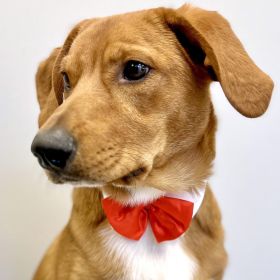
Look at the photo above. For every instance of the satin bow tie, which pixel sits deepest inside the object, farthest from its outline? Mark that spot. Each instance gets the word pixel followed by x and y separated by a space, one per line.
pixel 169 218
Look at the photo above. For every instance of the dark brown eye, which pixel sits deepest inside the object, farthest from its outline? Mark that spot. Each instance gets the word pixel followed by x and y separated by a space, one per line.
pixel 135 70
pixel 66 82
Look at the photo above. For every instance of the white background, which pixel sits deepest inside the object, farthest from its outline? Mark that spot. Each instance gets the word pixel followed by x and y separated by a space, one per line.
pixel 246 182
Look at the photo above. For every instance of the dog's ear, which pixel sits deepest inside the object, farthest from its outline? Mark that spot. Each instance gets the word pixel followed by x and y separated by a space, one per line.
pixel 45 94
pixel 57 80
pixel 44 78
pixel 211 43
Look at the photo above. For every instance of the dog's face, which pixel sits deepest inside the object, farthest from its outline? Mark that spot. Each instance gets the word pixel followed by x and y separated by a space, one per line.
pixel 133 99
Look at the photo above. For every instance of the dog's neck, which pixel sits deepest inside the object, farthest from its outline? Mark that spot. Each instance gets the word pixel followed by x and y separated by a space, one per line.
pixel 87 201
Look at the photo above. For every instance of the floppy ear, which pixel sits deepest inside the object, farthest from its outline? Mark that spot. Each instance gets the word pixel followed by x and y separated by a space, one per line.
pixel 45 93
pixel 211 43
pixel 57 80
pixel 44 78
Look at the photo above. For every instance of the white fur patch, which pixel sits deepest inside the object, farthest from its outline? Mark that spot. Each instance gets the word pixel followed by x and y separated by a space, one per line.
pixel 146 259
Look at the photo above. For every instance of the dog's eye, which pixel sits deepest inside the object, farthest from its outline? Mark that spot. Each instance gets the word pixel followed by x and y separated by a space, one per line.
pixel 66 82
pixel 135 70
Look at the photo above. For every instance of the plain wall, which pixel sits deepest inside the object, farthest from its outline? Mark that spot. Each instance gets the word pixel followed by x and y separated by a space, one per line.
pixel 246 183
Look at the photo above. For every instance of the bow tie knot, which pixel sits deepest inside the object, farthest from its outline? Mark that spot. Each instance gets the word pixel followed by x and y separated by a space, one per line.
pixel 169 218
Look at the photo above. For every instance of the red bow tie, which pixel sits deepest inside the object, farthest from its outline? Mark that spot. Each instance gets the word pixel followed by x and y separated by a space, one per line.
pixel 169 218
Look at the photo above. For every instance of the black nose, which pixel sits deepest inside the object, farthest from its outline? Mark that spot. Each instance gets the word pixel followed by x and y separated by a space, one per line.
pixel 53 148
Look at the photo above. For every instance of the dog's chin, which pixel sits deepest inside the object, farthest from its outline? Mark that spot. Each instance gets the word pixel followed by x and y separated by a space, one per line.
pixel 128 190
pixel 131 189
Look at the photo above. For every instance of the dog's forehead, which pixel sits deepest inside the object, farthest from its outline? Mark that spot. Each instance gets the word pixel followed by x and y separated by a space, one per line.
pixel 138 28
pixel 130 25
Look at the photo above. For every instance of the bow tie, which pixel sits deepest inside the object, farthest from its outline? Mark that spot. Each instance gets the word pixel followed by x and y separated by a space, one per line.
pixel 169 218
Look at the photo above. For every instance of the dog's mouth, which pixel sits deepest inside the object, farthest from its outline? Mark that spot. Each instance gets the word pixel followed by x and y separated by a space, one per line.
pixel 62 178
pixel 136 173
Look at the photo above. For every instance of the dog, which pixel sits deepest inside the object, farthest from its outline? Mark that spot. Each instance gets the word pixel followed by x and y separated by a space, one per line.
pixel 126 113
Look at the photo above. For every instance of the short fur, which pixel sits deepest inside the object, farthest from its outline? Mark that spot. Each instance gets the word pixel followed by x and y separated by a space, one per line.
pixel 164 124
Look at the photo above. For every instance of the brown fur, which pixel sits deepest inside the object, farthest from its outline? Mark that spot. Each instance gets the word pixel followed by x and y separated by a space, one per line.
pixel 164 124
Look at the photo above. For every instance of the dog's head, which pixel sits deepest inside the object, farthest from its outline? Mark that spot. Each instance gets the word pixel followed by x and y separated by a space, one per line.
pixel 125 101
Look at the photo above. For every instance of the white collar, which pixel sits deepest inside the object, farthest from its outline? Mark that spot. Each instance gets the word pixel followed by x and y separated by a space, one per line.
pixel 194 195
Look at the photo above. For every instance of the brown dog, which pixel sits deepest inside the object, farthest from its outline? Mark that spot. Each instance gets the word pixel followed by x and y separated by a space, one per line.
pixel 125 108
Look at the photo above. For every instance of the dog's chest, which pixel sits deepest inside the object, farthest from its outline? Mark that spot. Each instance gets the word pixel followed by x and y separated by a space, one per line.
pixel 148 260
